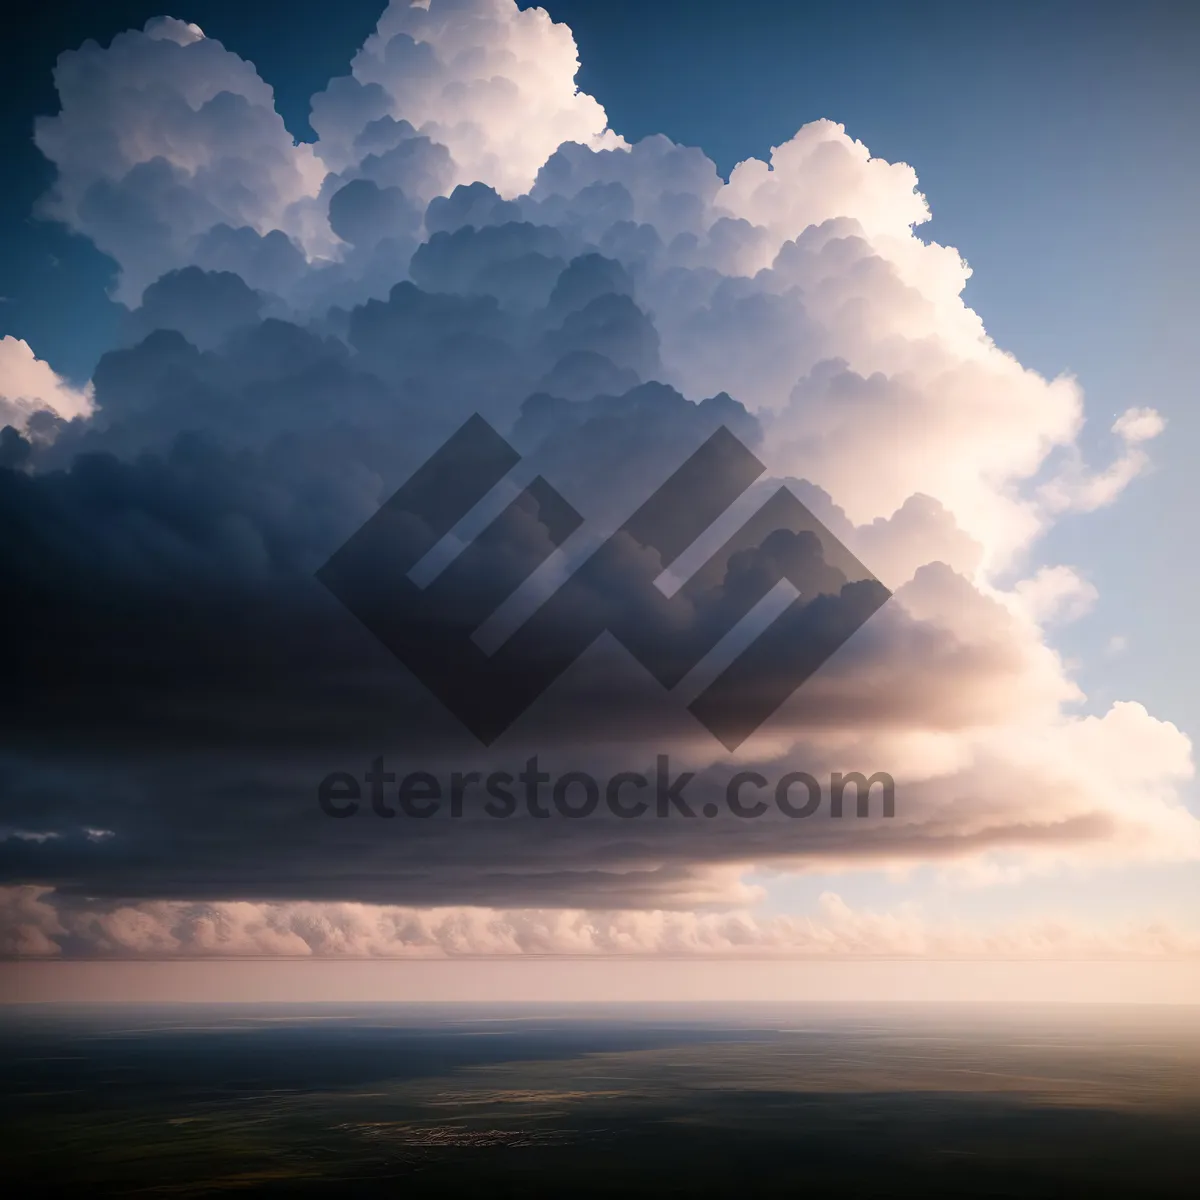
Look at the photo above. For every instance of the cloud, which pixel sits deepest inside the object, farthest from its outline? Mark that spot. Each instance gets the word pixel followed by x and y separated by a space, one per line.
pixel 29 385
pixel 307 324
pixel 1055 594
pixel 1076 489
pixel 493 84
pixel 36 923
pixel 29 925
pixel 169 151
pixel 165 135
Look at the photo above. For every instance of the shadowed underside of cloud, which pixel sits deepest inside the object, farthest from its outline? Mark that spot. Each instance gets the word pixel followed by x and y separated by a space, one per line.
pixel 307 324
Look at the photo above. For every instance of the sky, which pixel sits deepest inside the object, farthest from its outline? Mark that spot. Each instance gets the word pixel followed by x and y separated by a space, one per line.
pixel 1028 684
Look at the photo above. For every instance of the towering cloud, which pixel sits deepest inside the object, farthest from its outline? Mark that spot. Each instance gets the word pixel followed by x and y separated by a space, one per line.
pixel 308 322
pixel 492 84
pixel 164 139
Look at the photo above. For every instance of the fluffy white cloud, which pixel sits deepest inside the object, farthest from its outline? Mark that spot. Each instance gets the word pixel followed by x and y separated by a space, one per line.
pixel 1055 594
pixel 493 84
pixel 169 149
pixel 164 136
pixel 29 385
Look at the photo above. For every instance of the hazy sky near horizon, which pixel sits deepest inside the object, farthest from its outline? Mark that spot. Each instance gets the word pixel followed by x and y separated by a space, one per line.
pixel 601 981
pixel 1037 657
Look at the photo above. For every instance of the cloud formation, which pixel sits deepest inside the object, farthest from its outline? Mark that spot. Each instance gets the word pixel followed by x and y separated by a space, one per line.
pixel 35 923
pixel 28 385
pixel 307 323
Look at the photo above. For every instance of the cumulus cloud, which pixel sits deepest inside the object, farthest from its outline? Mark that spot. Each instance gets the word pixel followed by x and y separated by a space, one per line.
pixel 170 152
pixel 165 135
pixel 35 922
pixel 28 385
pixel 492 84
pixel 307 324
